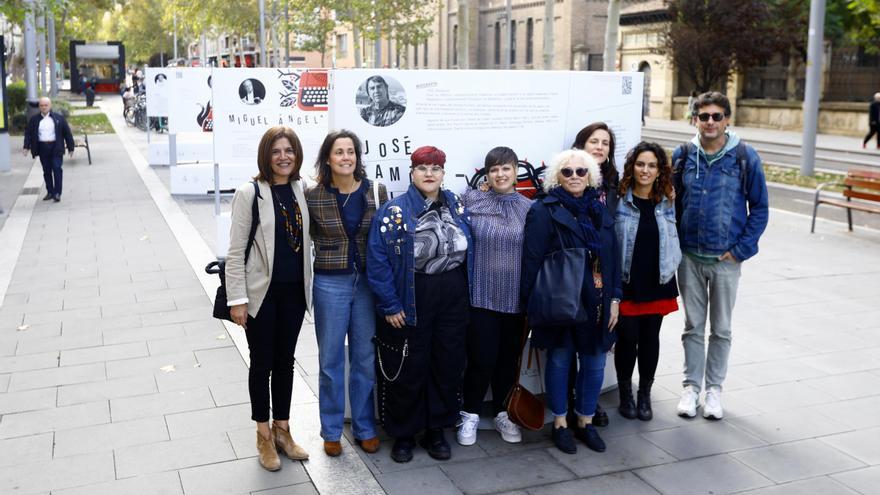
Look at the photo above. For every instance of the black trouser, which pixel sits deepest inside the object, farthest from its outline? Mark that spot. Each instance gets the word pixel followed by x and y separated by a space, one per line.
pixel 875 129
pixel 493 346
pixel 271 338
pixel 51 162
pixel 426 392
pixel 638 337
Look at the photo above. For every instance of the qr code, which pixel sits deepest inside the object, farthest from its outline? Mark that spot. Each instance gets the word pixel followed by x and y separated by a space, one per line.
pixel 627 87
pixel 178 75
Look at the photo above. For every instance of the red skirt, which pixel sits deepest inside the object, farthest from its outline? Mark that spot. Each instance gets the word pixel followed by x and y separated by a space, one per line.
pixel 660 307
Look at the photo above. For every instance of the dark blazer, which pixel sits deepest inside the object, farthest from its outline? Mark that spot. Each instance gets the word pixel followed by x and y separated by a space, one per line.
pixel 874 113
pixel 546 217
pixel 62 135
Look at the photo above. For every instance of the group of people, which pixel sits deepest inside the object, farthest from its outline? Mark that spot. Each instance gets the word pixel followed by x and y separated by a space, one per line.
pixel 432 290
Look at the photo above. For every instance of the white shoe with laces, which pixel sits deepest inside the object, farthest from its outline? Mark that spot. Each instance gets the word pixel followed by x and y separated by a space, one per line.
pixel 467 429
pixel 687 406
pixel 509 431
pixel 712 404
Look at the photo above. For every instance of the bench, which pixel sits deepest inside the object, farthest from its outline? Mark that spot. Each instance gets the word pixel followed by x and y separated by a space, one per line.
pixel 84 143
pixel 859 184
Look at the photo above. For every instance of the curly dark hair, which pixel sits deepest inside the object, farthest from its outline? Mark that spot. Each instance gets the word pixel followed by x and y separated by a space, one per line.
pixel 663 185
pixel 322 163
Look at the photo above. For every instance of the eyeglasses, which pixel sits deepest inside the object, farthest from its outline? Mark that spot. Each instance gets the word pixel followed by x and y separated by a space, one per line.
pixel 717 117
pixel 425 169
pixel 568 172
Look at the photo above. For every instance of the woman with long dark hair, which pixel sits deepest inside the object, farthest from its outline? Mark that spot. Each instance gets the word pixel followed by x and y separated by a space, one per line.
pixel 342 206
pixel 269 289
pixel 649 257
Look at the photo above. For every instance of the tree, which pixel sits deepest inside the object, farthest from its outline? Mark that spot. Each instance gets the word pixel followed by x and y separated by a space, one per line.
pixel 709 40
pixel 312 23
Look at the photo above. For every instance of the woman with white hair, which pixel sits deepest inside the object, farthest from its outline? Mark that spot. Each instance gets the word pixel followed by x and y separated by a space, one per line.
pixel 572 217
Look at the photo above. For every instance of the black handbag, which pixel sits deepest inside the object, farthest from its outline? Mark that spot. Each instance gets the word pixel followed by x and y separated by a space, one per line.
pixel 555 300
pixel 221 309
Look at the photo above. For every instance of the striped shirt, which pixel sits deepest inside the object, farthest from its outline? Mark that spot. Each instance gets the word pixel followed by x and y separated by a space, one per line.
pixel 497 222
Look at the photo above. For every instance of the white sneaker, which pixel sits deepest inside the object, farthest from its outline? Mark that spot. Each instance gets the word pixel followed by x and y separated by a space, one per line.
pixel 687 406
pixel 712 404
pixel 467 430
pixel 509 431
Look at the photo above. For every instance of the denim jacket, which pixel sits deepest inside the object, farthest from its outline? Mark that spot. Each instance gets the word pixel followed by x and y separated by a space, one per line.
pixel 390 255
pixel 723 208
pixel 626 225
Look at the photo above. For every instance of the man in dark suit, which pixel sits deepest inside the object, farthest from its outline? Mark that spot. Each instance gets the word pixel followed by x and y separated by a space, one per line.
pixel 45 136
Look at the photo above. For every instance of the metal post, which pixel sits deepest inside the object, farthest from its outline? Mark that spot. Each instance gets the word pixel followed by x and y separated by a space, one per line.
pixel 377 57
pixel 175 37
pixel 53 77
pixel 204 50
pixel 549 18
pixel 216 189
pixel 509 14
pixel 263 33
pixel 286 34
pixel 30 58
pixel 815 45
pixel 41 52
pixel 609 58
pixel 172 149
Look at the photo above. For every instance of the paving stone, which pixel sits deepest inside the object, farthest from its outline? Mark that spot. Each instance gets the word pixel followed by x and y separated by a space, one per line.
pixel 29 362
pixel 58 418
pixel 95 301
pixel 623 453
pixel 143 406
pixel 39 331
pixel 143 334
pixel 864 445
pixel 201 375
pixel 848 386
pixel 865 481
pixel 822 485
pixel 229 393
pixel 300 489
pixel 195 342
pixel 776 372
pixel 107 389
pixel 780 396
pixel 797 460
pixel 856 413
pixel 490 475
pixel 57 473
pixel 50 316
pixel 105 324
pixel 7 346
pixel 715 474
pixel 4 382
pixel 24 450
pixel 610 483
pixel 150 364
pixel 148 309
pixel 240 476
pixel 104 353
pixel 786 426
pixel 703 438
pixel 28 400
pixel 110 436
pixel 424 481
pixel 24 380
pixel 212 420
pixel 180 316
pixel 173 454
pixel 849 361
pixel 167 483
pixel 90 338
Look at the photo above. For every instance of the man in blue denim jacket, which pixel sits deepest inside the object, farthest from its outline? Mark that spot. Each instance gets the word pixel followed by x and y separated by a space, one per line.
pixel 722 198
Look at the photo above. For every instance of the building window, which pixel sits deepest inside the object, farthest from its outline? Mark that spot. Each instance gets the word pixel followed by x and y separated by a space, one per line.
pixel 595 62
pixel 512 43
pixel 455 45
pixel 342 44
pixel 497 43
pixel 425 59
pixel 530 34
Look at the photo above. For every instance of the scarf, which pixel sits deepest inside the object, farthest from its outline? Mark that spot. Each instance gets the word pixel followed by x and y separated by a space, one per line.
pixel 588 212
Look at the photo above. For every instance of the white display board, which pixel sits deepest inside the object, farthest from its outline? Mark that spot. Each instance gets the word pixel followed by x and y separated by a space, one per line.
pixel 247 102
pixel 156 80
pixel 467 113
pixel 189 100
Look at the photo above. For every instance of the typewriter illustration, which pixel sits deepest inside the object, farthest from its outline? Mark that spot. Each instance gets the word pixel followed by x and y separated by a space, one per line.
pixel 313 91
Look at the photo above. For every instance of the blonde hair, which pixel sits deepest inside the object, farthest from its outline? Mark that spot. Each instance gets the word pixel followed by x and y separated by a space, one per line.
pixel 551 177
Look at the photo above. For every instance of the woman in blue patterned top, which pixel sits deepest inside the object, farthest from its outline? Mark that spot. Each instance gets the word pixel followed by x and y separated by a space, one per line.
pixel 498 215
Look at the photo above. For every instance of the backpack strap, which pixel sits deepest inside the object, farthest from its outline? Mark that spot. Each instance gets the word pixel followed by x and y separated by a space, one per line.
pixel 742 156
pixel 255 220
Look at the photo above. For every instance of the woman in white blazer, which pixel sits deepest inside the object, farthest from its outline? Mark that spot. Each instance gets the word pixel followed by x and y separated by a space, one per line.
pixel 270 292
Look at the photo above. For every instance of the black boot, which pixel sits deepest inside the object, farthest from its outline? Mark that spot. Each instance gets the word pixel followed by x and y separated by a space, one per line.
pixel 627 407
pixel 644 407
pixel 600 417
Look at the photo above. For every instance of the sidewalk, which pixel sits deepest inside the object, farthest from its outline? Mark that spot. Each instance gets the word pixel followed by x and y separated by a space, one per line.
pixel 114 379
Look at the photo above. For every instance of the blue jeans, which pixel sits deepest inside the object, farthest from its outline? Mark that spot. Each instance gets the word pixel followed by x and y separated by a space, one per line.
pixel 588 384
pixel 344 307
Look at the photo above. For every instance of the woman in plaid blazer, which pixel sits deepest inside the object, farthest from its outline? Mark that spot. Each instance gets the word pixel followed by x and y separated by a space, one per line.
pixel 341 207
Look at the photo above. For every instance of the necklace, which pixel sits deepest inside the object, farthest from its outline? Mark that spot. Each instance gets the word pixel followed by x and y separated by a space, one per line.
pixel 356 187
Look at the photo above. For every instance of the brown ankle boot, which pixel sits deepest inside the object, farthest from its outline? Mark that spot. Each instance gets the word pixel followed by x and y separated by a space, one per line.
pixel 268 454
pixel 285 443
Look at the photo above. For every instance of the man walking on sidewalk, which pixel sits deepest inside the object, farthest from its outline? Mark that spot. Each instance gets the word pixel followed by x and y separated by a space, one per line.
pixel 873 121
pixel 45 136
pixel 721 197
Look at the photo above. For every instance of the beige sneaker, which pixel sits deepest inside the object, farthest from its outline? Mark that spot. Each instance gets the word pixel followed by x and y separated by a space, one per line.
pixel 285 444
pixel 268 454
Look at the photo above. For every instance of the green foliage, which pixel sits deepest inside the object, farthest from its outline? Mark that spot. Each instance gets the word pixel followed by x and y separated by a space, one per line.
pixel 17 94
pixel 865 28
pixel 92 123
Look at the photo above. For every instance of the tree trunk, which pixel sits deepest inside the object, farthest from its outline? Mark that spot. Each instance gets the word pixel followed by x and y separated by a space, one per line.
pixel 548 33
pixel 463 35
pixel 609 58
pixel 356 34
